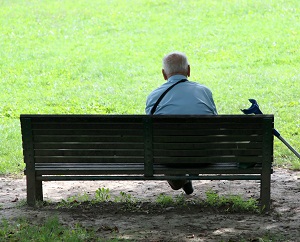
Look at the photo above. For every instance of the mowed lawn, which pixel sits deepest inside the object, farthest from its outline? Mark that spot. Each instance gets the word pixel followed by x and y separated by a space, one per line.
pixel 104 57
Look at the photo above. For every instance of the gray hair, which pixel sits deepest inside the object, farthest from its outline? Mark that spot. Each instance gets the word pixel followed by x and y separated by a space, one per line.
pixel 175 62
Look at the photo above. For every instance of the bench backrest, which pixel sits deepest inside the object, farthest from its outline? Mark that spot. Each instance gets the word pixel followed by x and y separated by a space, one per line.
pixel 147 139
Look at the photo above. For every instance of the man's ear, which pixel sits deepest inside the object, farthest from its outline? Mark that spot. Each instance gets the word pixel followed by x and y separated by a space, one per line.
pixel 189 71
pixel 164 74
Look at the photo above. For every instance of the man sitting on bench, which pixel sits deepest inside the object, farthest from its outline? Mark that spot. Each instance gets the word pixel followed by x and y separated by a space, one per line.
pixel 180 96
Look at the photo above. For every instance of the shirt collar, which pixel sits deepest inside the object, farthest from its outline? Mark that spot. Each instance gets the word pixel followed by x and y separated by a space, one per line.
pixel 176 78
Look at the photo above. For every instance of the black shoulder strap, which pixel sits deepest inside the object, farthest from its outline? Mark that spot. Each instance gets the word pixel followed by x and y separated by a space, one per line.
pixel 164 93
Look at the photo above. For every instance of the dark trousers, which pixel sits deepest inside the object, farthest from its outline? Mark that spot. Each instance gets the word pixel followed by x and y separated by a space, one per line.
pixel 177 184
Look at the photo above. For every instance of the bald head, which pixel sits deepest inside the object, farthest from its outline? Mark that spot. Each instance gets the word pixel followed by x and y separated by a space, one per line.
pixel 175 63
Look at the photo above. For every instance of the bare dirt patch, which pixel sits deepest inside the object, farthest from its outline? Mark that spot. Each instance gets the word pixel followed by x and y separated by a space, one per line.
pixel 153 223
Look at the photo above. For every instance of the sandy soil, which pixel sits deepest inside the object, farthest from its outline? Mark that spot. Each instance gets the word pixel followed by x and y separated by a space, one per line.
pixel 153 223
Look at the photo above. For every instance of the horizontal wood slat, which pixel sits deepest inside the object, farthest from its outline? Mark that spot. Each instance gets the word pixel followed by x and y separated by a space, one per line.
pixel 86 138
pixel 140 152
pixel 207 153
pixel 84 125
pixel 88 145
pixel 206 139
pixel 207 146
pixel 88 159
pixel 156 146
pixel 90 132
pixel 208 159
pixel 138 168
pixel 206 132
pixel 141 177
pixel 90 152
pixel 138 159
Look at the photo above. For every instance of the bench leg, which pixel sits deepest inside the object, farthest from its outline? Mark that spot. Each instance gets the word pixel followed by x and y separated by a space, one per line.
pixel 39 190
pixel 34 190
pixel 265 192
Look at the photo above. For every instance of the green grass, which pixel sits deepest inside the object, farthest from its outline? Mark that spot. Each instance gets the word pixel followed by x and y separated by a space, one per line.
pixel 49 230
pixel 53 230
pixel 104 57
pixel 230 203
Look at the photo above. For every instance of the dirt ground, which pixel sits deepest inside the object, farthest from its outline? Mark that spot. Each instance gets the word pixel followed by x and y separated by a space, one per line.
pixel 154 223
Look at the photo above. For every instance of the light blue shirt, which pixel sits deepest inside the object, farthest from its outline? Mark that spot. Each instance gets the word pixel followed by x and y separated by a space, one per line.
pixel 185 98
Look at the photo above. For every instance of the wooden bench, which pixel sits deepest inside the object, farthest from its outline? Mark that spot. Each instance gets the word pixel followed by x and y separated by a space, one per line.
pixel 144 147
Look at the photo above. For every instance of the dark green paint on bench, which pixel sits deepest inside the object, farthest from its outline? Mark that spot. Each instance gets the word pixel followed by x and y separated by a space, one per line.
pixel 143 147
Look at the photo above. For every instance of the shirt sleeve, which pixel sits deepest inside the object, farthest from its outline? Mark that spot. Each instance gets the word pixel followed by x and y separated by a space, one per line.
pixel 149 105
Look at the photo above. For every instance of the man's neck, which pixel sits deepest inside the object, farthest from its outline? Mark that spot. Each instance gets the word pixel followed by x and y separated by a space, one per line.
pixel 176 78
pixel 175 74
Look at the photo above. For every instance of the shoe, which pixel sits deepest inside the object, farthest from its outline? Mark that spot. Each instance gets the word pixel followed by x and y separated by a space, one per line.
pixel 188 188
